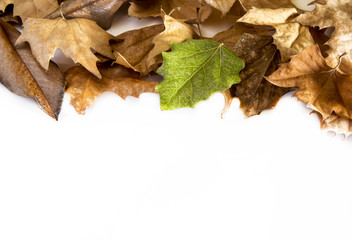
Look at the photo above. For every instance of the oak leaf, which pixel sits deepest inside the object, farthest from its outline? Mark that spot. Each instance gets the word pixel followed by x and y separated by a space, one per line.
pixel 34 8
pixel 75 38
pixel 84 87
pixel 194 70
pixel 188 9
pixel 290 37
pixel 254 91
pixel 338 14
pixel 175 31
pixel 326 90
pixel 22 74
pixel 133 47
pixel 100 11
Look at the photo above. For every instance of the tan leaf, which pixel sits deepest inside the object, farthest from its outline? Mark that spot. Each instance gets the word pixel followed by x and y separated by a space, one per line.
pixel 336 13
pixel 84 87
pixel 254 91
pixel 99 11
pixel 325 89
pixel 132 48
pixel 273 4
pixel 75 38
pixel 175 31
pixel 223 5
pixel 188 9
pixel 22 74
pixel 290 38
pixel 34 8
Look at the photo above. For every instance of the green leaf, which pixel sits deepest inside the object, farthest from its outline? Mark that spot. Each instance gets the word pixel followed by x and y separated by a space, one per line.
pixel 194 70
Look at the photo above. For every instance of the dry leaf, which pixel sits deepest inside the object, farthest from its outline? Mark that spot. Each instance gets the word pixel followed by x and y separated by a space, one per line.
pixel 8 17
pixel 4 4
pixel 34 8
pixel 325 89
pixel 290 38
pixel 23 75
pixel 232 35
pixel 254 91
pixel 273 4
pixel 338 14
pixel 175 31
pixel 84 87
pixel 75 38
pixel 188 9
pixel 132 48
pixel 336 124
pixel 223 5
pixel 100 11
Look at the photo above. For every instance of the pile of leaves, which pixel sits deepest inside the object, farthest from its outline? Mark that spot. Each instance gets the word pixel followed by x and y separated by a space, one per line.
pixel 271 49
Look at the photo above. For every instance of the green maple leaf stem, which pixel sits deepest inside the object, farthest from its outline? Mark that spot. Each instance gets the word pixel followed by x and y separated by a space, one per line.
pixel 194 70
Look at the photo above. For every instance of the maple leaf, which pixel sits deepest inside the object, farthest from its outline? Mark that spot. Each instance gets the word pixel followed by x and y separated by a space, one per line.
pixel 188 9
pixel 23 75
pixel 290 37
pixel 84 87
pixel 175 31
pixel 34 8
pixel 194 70
pixel 338 14
pixel 100 11
pixel 254 91
pixel 133 47
pixel 325 89
pixel 75 38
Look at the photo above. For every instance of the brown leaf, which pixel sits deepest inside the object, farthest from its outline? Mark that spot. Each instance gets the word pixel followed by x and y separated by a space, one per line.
pixel 290 37
pixel 338 14
pixel 254 91
pixel 75 37
pixel 175 31
pixel 336 124
pixel 132 48
pixel 34 8
pixel 188 9
pixel 325 89
pixel 8 17
pixel 4 4
pixel 232 35
pixel 22 74
pixel 84 87
pixel 100 11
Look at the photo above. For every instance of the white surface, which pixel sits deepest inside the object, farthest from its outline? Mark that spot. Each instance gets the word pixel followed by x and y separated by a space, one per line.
pixel 128 171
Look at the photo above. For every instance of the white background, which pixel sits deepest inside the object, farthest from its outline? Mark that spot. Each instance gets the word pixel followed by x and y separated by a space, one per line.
pixel 128 171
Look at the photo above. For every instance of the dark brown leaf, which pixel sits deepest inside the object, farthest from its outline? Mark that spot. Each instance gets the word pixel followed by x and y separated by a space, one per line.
pixel 262 58
pixel 132 48
pixel 23 75
pixel 100 11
